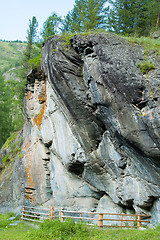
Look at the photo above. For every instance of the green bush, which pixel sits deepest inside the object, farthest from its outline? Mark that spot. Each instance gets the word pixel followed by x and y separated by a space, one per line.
pixel 36 62
pixel 60 230
pixel 13 148
pixel 146 66
pixel 10 140
pixel 6 159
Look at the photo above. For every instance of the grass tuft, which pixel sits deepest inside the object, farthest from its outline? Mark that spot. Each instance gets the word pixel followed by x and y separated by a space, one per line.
pixel 150 45
pixel 146 66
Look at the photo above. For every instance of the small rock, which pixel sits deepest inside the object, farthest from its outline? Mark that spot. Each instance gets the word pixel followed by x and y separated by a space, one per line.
pixel 13 224
pixel 142 228
pixel 18 221
pixel 11 218
pixel 151 226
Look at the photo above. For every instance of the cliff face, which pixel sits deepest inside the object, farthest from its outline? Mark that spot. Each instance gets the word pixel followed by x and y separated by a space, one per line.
pixel 92 132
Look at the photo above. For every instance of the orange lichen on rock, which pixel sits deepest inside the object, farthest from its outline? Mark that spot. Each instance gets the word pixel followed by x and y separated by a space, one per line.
pixel 39 117
pixel 30 185
pixel 29 94
pixel 145 114
pixel 41 98
pixel 30 181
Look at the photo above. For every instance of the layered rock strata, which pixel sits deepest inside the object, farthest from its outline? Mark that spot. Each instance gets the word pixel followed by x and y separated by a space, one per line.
pixel 92 132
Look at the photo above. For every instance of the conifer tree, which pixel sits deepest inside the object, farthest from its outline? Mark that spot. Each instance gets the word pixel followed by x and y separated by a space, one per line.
pixel 133 17
pixel 5 116
pixel 67 27
pixel 96 14
pixel 31 37
pixel 154 13
pixel 51 26
pixel 86 15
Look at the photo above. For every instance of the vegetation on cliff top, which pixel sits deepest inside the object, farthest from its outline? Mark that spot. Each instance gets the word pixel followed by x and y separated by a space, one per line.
pixel 150 45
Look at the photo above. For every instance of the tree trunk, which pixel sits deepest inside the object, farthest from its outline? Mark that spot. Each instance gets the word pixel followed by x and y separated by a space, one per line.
pixel 158 19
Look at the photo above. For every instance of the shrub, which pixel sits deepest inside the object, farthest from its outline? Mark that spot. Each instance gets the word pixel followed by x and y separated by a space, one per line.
pixel 146 66
pixel 60 230
pixel 6 159
pixel 13 146
pixel 36 62
pixel 10 140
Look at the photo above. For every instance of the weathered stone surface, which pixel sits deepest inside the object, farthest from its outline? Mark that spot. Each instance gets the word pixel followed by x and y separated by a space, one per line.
pixel 12 179
pixel 155 212
pixel 92 131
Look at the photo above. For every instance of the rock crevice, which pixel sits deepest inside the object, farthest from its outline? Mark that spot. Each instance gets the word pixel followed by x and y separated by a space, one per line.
pixel 93 126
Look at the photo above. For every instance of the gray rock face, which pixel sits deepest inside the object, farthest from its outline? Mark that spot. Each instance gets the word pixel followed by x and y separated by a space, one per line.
pixel 92 134
pixel 12 178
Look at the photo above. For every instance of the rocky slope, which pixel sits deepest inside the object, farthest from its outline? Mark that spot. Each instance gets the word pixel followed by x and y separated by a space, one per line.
pixel 92 132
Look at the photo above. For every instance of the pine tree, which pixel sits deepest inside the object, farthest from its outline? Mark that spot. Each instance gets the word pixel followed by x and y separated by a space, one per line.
pixel 86 15
pixel 67 23
pixel 51 26
pixel 154 13
pixel 31 37
pixel 142 24
pixel 6 126
pixel 76 17
pixel 96 14
pixel 121 16
pixel 133 17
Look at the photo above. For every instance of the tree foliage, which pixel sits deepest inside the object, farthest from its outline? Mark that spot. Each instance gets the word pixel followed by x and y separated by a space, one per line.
pixel 133 17
pixel 5 116
pixel 31 36
pixel 86 15
pixel 12 90
pixel 51 26
pixel 128 17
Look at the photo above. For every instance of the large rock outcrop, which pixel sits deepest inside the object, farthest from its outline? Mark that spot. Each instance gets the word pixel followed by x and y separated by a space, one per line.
pixel 92 132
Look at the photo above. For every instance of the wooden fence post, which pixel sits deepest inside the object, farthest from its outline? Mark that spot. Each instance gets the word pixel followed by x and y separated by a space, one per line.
pixel 35 213
pixel 139 220
pixel 100 221
pixel 62 215
pixel 121 220
pixel 80 217
pixel 51 212
pixel 23 212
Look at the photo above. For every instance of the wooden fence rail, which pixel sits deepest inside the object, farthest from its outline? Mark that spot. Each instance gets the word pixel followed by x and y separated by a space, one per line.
pixel 122 220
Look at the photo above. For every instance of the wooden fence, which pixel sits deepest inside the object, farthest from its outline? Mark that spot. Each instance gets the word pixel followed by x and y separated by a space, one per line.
pixel 92 218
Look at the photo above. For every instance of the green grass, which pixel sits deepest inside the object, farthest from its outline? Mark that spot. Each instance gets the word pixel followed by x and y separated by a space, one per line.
pixel 57 230
pixel 146 66
pixel 10 140
pixel 13 143
pixel 67 36
pixel 8 232
pixel 10 53
pixel 150 45
pixel 80 231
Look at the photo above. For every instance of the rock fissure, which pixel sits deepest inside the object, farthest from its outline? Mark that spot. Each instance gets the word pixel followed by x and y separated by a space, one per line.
pixel 91 140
